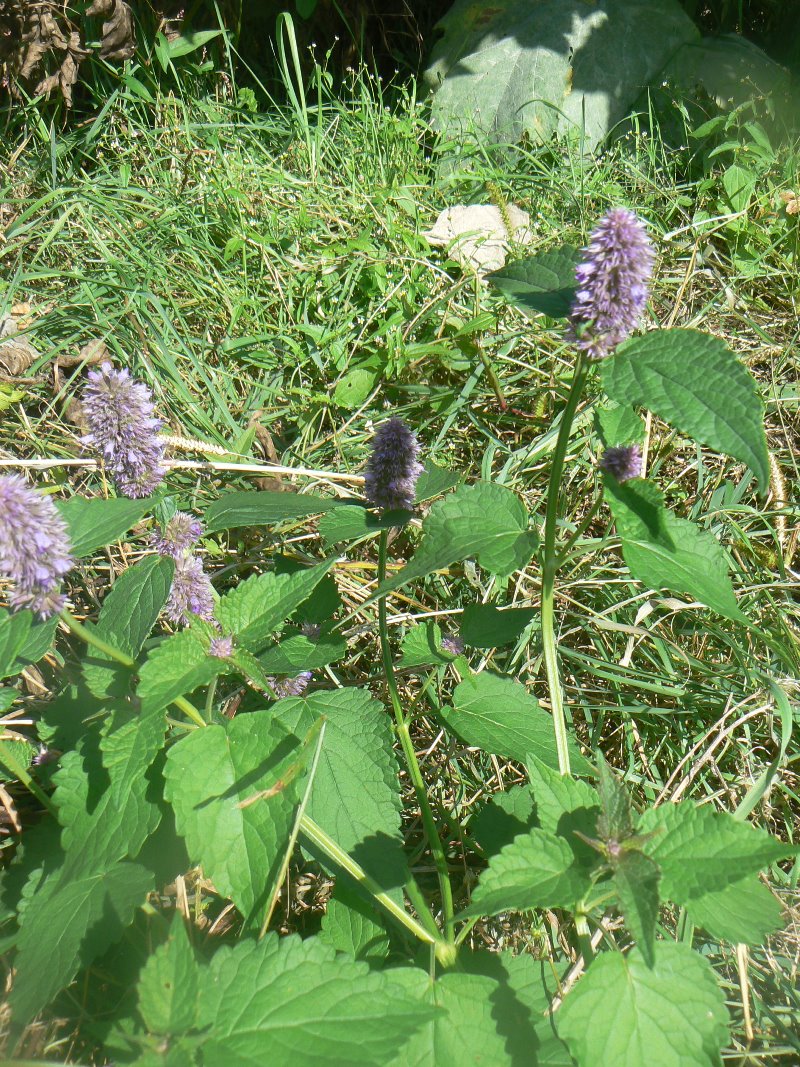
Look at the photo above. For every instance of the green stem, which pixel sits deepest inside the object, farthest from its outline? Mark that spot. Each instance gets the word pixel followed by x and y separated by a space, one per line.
pixel 550 566
pixel 401 721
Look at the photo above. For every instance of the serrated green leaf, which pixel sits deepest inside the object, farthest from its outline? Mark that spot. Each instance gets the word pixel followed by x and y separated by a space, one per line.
pixel 537 870
pixel 562 803
pixel 504 817
pixel 663 550
pixel 434 481
pixel 262 509
pixel 258 607
pixel 485 626
pixel 636 879
pixel 169 984
pixel 176 667
pixel 623 1013
pixel 744 912
pixel 208 775
pixel 499 715
pixel 286 1002
pixel 422 646
pixel 484 520
pixel 355 795
pixel 66 925
pixel 700 850
pixel 126 618
pixel 615 822
pixel 95 523
pixel 13 748
pixel 14 628
pixel 299 653
pixel 352 521
pixel 352 925
pixel 618 424
pixel 463 1032
pixel 542 283
pixel 37 643
pixel 697 384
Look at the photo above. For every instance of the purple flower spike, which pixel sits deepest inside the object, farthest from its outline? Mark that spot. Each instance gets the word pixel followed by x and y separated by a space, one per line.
pixel 612 283
pixel 122 428
pixel 453 645
pixel 34 547
pixel 178 536
pixel 221 647
pixel 391 476
pixel 291 687
pixel 622 462
pixel 191 592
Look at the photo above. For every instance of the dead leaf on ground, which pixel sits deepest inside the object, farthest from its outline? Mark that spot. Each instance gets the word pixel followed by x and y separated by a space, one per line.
pixel 119 38
pixel 792 201
pixel 477 236
pixel 17 354
pixel 264 440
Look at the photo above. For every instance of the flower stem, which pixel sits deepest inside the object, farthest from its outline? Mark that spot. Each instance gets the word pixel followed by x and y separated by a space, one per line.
pixel 401 722
pixel 550 566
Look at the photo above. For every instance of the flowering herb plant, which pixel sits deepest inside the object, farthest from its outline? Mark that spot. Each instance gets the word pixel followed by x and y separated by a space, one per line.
pixel 221 742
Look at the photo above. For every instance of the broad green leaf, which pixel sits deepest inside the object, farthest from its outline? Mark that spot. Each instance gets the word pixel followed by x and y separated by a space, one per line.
pixel 500 716
pixel 463 1032
pixel 66 925
pixel 700 850
pixel 286 1002
pixel 563 804
pixel 745 911
pixel 209 774
pixel 730 68
pixel 422 646
pixel 537 870
pixel 504 817
pixel 352 925
pixel 353 389
pixel 13 748
pixel 636 878
pixel 169 983
pixel 177 667
pixel 258 607
pixel 697 384
pixel 615 822
pixel 434 481
pixel 351 522
pixel 484 520
pixel 37 643
pixel 511 69
pixel 355 795
pixel 739 184
pixel 299 653
pixel 126 618
pixel 485 626
pixel 188 42
pixel 261 509
pixel 623 1013
pixel 95 523
pixel 665 551
pixel 543 283
pixel 618 424
pixel 14 629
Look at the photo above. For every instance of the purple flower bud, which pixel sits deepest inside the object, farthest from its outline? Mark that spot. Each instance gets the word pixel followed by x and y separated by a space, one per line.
pixel 191 592
pixel 178 536
pixel 311 630
pixel 392 471
pixel 452 644
pixel 44 756
pixel 612 283
pixel 34 547
pixel 119 414
pixel 291 687
pixel 221 647
pixel 623 462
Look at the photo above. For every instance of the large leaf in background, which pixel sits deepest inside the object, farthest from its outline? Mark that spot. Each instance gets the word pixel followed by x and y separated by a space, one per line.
pixel 66 925
pixel 622 1013
pixel 486 626
pixel 500 716
pixel 514 67
pixel 258 607
pixel 744 912
pixel 261 509
pixel 286 1002
pixel 729 67
pixel 694 382
pixel 208 775
pixel 665 551
pixel 355 796
pixel 543 283
pixel 126 618
pixel 484 520
pixel 95 523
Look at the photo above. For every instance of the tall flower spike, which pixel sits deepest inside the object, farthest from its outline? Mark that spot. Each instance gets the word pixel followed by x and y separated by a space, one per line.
pixel 122 428
pixel 34 547
pixel 613 282
pixel 178 535
pixel 191 592
pixel 622 462
pixel 390 480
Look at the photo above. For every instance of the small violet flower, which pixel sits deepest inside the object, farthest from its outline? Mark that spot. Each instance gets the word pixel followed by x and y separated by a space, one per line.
pixel 122 428
pixel 622 462
pixel 393 468
pixel 221 647
pixel 178 535
pixel 34 547
pixel 291 687
pixel 613 283
pixel 452 645
pixel 191 592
